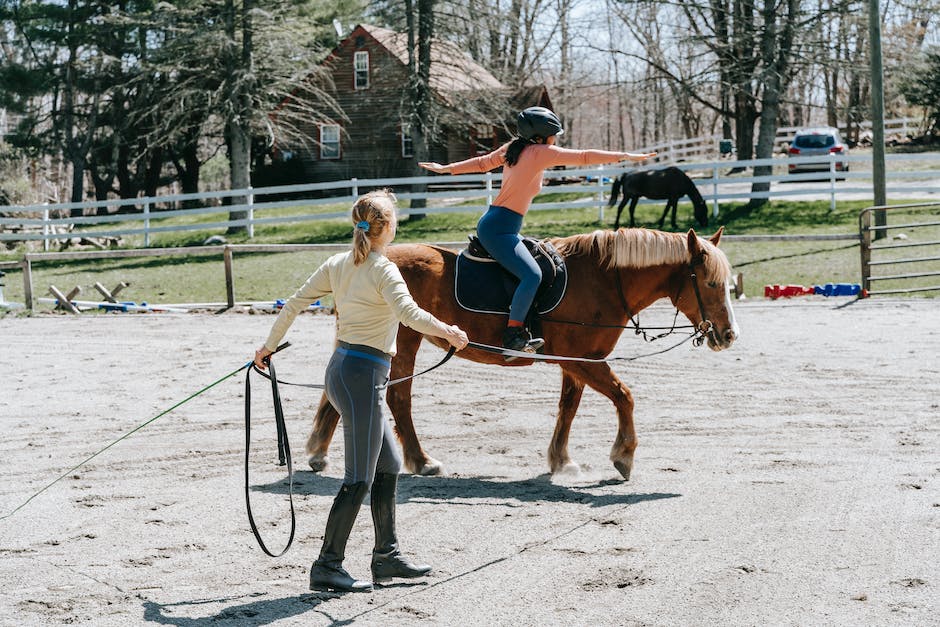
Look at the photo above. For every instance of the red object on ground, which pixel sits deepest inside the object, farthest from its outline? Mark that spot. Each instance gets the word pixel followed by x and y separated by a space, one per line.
pixel 786 291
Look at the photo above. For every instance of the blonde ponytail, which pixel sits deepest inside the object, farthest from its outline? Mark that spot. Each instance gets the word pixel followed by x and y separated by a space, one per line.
pixel 371 215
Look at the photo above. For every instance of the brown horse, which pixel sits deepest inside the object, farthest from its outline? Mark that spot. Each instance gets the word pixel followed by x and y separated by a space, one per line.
pixel 647 265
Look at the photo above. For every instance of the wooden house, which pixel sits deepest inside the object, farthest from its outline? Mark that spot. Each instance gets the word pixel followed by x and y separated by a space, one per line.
pixel 369 71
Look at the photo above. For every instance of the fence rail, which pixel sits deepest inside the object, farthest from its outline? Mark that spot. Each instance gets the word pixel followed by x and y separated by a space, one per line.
pixel 873 255
pixel 916 175
pixel 707 146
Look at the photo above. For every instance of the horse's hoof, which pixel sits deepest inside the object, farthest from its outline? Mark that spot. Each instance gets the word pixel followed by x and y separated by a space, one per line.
pixel 317 463
pixel 569 468
pixel 624 469
pixel 431 468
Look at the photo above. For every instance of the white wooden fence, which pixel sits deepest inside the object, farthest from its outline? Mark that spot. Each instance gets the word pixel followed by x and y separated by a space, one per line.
pixel 909 176
pixel 707 146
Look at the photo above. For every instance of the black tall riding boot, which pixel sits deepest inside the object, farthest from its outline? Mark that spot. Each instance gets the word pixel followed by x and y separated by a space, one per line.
pixel 327 573
pixel 387 560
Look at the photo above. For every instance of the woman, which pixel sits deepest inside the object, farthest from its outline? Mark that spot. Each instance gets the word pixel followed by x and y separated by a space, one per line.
pixel 525 158
pixel 371 299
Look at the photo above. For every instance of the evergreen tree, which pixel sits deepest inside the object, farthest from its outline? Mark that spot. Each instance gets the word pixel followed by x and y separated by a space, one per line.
pixel 920 85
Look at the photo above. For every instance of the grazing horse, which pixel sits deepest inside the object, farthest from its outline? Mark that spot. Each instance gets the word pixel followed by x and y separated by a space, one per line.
pixel 667 183
pixel 612 275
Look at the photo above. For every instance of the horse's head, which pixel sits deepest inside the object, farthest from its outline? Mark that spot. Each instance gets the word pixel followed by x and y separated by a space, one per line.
pixel 704 295
pixel 700 210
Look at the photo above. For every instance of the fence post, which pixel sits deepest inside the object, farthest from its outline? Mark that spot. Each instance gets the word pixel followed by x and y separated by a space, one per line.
pixel 600 193
pixel 715 191
pixel 489 188
pixel 355 187
pixel 832 181
pixel 147 224
pixel 45 230
pixel 864 237
pixel 229 278
pixel 27 266
pixel 251 213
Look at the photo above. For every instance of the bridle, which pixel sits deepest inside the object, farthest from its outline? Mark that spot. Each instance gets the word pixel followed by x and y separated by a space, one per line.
pixel 704 329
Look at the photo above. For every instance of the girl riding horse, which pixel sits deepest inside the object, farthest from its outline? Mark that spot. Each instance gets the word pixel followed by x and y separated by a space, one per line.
pixel 525 158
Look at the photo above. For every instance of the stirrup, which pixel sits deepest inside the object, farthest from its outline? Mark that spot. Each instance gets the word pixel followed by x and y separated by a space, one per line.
pixel 518 339
pixel 532 346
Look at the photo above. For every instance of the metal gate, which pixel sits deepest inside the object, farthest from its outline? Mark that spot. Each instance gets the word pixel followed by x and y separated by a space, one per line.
pixel 918 233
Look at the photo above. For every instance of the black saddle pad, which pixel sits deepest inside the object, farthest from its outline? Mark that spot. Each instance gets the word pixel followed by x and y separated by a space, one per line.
pixel 484 286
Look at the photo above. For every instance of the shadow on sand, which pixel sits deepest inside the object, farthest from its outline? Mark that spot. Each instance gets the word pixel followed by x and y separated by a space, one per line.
pixel 460 490
pixel 457 491
pixel 259 612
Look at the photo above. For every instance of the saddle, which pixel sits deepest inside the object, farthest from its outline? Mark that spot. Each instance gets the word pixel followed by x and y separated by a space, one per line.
pixel 484 286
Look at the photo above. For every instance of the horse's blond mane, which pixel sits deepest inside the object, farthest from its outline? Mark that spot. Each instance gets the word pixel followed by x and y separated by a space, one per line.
pixel 641 248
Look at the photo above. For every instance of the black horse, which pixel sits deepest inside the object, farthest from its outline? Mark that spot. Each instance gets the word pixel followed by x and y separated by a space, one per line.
pixel 670 183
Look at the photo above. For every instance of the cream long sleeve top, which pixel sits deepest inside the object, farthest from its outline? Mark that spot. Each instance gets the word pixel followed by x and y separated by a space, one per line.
pixel 371 299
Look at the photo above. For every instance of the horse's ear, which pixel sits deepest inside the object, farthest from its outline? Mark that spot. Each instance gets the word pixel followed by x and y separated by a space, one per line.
pixel 694 246
pixel 714 239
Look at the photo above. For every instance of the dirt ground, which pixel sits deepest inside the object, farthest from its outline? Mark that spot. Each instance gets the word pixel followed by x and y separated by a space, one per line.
pixel 792 480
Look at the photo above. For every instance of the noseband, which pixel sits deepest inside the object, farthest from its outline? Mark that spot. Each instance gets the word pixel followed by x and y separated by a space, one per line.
pixel 705 328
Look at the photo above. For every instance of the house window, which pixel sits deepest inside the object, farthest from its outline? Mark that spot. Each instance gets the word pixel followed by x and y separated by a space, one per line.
pixel 407 143
pixel 484 139
pixel 329 141
pixel 361 69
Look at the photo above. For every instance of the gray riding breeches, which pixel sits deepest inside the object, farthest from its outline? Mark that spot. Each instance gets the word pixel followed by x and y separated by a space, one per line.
pixel 352 375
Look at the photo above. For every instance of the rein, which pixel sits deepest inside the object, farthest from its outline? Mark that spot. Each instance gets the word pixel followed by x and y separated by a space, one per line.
pixel 701 331
pixel 695 337
pixel 283 449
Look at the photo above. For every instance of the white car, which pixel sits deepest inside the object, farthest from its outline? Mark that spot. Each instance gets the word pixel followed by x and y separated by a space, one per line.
pixel 812 142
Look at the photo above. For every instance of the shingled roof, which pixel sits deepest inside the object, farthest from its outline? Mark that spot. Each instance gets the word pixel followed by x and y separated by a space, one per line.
pixel 452 69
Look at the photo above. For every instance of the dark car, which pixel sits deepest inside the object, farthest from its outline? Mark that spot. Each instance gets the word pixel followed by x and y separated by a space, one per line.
pixel 812 142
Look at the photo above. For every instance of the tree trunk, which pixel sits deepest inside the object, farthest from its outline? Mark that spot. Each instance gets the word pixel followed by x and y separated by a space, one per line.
pixel 421 94
pixel 152 173
pixel 76 147
pixel 775 52
pixel 237 127
pixel 239 142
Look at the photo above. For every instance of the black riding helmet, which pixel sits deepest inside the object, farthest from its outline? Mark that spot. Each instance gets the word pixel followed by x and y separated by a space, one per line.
pixel 538 122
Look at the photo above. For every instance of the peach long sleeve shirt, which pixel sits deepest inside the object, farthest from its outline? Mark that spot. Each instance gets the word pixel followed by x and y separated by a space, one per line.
pixel 523 181
pixel 371 299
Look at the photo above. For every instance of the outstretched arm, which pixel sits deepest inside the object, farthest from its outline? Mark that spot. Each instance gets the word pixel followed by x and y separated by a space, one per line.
pixel 437 168
pixel 637 156
pixel 565 156
pixel 483 163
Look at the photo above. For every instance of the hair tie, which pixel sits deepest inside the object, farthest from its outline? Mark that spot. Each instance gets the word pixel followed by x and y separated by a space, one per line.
pixel 363 225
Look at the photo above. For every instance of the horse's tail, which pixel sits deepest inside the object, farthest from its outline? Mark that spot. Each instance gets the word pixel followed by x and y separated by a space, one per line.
pixel 615 190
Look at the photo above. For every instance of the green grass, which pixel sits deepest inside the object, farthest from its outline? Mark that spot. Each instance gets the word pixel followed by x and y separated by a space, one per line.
pixel 200 278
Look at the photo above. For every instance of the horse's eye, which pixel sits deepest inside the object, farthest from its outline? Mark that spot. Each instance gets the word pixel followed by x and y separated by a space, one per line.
pixel 713 284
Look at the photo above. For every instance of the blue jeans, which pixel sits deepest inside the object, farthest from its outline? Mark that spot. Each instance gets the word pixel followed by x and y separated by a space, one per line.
pixel 498 231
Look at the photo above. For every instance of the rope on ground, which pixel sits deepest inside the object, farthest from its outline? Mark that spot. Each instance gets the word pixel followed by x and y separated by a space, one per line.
pixel 131 432
pixel 123 437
